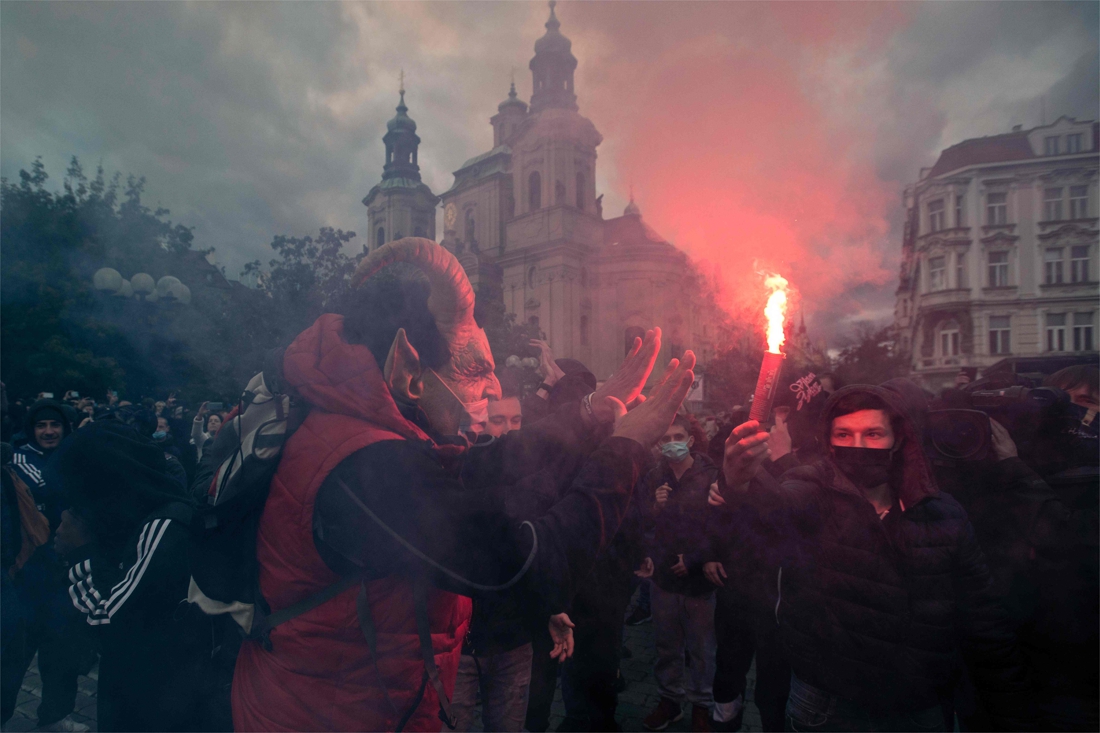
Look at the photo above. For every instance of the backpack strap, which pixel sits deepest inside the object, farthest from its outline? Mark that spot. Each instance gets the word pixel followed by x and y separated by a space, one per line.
pixel 431 670
pixel 263 626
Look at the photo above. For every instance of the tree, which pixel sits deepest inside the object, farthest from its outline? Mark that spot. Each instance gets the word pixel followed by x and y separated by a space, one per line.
pixel 873 358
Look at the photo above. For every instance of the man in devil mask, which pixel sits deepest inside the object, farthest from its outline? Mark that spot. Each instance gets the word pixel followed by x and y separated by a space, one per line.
pixel 883 581
pixel 378 487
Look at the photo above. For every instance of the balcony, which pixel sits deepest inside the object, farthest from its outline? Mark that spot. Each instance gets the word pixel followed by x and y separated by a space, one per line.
pixel 951 296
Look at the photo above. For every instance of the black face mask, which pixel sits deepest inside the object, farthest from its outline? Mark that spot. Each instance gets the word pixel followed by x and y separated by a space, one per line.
pixel 865 467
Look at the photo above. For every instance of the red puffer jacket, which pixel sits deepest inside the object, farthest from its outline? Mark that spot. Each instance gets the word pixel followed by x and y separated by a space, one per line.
pixel 319 674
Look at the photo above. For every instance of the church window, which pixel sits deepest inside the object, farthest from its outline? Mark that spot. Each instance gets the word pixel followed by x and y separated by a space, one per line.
pixel 534 191
pixel 584 330
pixel 531 277
pixel 471 229
pixel 559 192
pixel 634 332
pixel 580 191
pixel 380 237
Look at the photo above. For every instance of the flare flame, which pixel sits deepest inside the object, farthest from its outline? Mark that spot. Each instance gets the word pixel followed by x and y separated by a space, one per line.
pixel 776 311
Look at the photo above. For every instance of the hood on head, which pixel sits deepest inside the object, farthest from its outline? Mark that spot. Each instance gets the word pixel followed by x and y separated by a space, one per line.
pixel 46 405
pixel 112 476
pixel 917 481
pixel 343 378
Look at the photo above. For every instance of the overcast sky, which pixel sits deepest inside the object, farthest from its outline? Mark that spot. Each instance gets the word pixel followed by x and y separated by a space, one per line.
pixel 774 135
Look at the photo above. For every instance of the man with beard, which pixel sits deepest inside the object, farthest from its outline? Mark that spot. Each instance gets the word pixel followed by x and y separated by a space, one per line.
pixel 884 582
pixel 378 487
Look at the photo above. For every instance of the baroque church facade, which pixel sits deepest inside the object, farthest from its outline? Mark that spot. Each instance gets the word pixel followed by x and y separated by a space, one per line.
pixel 525 221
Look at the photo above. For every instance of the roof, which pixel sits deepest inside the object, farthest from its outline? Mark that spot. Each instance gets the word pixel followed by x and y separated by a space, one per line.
pixel 631 230
pixel 496 160
pixel 976 151
pixel 398 182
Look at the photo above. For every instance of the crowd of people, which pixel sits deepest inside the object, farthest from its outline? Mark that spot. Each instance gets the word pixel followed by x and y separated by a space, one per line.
pixel 441 545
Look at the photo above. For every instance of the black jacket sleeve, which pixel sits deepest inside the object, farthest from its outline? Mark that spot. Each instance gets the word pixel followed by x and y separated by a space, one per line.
pixel 986 638
pixel 469 540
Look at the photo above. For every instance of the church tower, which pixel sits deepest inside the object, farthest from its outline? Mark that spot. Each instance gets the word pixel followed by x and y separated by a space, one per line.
pixel 401 205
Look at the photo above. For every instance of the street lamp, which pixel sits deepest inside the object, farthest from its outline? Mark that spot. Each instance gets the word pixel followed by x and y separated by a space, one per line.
pixel 141 286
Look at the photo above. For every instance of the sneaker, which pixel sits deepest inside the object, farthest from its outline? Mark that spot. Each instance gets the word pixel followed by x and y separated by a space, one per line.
pixel 700 719
pixel 667 711
pixel 638 617
pixel 729 726
pixel 66 725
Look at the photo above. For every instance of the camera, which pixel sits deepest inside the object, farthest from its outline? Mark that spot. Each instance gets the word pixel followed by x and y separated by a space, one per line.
pixel 1043 422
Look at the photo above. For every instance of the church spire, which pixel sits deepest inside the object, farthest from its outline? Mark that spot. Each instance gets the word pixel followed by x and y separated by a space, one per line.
pixel 552 68
pixel 402 142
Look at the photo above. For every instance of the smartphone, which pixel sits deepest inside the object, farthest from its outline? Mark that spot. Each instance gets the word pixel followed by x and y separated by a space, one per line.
pixel 45 395
pixel 214 406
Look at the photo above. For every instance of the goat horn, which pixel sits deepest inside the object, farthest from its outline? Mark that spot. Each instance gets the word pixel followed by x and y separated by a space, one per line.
pixel 452 298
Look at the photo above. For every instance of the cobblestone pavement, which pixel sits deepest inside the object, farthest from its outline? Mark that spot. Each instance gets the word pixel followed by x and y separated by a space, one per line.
pixel 634 704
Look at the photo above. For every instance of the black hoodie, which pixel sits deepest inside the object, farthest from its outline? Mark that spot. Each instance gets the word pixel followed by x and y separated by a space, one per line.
pixel 132 579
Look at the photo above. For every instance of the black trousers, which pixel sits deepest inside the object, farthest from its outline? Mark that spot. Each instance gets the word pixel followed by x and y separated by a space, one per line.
pixel 590 677
pixel 743 633
pixel 57 632
pixel 544 680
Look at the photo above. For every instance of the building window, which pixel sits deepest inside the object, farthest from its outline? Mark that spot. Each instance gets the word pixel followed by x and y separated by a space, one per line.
pixel 559 192
pixel 1073 143
pixel 581 193
pixel 1078 202
pixel 949 340
pixel 1052 204
pixel 935 215
pixel 534 191
pixel 380 237
pixel 1079 264
pixel 937 273
pixel 999 330
pixel 960 272
pixel 471 227
pixel 996 209
pixel 531 277
pixel 1082 332
pixel 998 269
pixel 584 330
pixel 960 210
pixel 1052 266
pixel 1050 145
pixel 1056 331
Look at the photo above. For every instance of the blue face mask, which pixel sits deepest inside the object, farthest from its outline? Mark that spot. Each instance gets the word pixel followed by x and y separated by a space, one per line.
pixel 160 435
pixel 675 450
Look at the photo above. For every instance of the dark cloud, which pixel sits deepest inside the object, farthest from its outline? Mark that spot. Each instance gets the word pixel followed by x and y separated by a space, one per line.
pixel 251 120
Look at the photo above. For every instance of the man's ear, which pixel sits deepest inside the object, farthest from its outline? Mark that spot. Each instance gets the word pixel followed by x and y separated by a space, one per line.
pixel 691 441
pixel 402 372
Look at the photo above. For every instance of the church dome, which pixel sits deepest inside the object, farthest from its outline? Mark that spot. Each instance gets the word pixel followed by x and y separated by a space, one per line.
pixel 513 102
pixel 402 121
pixel 632 208
pixel 553 42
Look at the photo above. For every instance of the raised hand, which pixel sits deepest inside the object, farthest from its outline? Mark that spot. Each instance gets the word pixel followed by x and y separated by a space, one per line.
pixel 648 421
pixel 746 449
pixel 626 384
pixel 548 368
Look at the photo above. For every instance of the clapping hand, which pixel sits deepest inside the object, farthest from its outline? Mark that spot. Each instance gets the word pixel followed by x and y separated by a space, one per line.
pixel 649 420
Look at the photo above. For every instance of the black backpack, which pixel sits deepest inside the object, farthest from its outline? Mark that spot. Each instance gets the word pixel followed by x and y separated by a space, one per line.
pixel 231 488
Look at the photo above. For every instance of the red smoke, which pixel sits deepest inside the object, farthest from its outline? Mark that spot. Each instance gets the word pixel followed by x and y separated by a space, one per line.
pixel 710 110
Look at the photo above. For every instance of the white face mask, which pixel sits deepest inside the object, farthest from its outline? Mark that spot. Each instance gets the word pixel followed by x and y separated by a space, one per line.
pixel 473 412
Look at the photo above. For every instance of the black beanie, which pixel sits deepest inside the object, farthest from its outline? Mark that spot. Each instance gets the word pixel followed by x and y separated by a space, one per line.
pixel 52 410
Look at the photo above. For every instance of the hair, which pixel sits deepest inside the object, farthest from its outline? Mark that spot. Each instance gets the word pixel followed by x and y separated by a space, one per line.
pixel 206 423
pixel 691 426
pixel 509 384
pixel 396 297
pixel 1075 376
pixel 858 401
